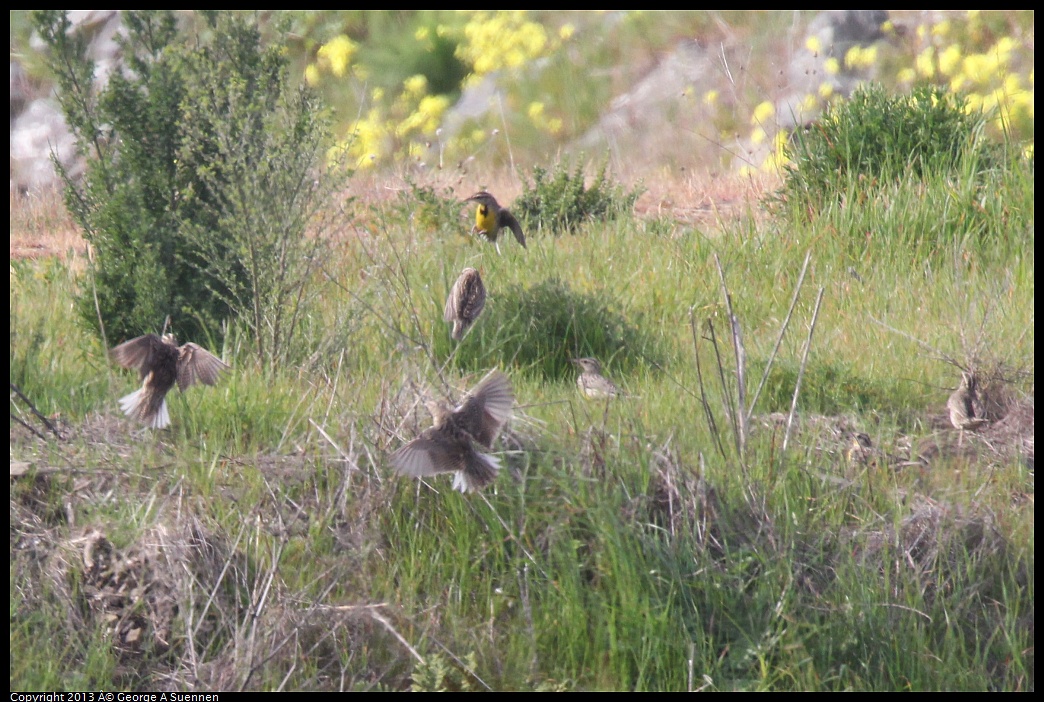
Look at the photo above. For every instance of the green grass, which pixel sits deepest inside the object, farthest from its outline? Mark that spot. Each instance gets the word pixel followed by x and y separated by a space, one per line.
pixel 619 549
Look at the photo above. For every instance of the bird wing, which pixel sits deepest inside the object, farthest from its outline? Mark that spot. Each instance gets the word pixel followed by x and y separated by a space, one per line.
pixel 197 365
pixel 423 457
pixel 506 219
pixel 450 312
pixel 488 408
pixel 137 353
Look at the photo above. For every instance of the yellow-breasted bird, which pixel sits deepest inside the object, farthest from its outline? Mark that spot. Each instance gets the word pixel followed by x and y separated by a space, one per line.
pixel 162 363
pixel 466 300
pixel 591 381
pixel 490 218
pixel 455 443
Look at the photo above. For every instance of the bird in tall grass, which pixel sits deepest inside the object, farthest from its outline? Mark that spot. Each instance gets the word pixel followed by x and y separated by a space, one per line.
pixel 965 406
pixel 460 435
pixel 466 300
pixel 490 218
pixel 162 363
pixel 591 381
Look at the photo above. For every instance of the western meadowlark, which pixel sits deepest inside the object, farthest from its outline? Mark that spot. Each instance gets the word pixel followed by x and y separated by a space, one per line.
pixel 453 443
pixel 591 381
pixel 466 300
pixel 964 405
pixel 860 448
pixel 162 363
pixel 490 218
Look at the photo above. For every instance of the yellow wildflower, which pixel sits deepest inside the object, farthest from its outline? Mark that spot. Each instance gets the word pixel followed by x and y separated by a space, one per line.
pixel 925 62
pixel 858 57
pixel 416 85
pixel 763 112
pixel 338 52
pixel 949 60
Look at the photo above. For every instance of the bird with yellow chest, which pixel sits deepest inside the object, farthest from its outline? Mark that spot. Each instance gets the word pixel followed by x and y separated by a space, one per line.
pixel 490 218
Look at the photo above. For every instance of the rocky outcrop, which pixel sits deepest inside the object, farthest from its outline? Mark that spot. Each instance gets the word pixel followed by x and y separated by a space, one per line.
pixel 38 128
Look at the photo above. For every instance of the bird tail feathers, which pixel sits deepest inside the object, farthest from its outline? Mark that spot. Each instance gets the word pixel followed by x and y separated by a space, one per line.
pixel 137 405
pixel 478 473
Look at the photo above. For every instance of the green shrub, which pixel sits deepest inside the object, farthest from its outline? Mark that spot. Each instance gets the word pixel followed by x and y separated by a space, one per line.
pixel 877 137
pixel 428 210
pixel 545 325
pixel 559 202
pixel 248 155
pixel 200 180
pixel 125 201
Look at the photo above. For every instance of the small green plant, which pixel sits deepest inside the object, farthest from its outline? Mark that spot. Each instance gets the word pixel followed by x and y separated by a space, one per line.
pixel 559 201
pixel 436 674
pixel 428 209
pixel 877 137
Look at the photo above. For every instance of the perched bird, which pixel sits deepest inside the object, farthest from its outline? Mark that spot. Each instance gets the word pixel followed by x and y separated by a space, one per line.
pixel 162 363
pixel 964 405
pixel 456 441
pixel 466 300
pixel 861 449
pixel 591 381
pixel 490 218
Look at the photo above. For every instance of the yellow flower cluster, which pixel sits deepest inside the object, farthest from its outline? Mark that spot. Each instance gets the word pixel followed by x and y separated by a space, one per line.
pixel 860 57
pixel 502 39
pixel 337 54
pixel 964 52
pixel 989 78
pixel 413 116
pixel 540 119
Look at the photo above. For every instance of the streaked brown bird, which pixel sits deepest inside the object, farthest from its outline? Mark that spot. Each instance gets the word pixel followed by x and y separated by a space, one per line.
pixel 591 381
pixel 466 300
pixel 964 405
pixel 162 363
pixel 454 444
pixel 490 218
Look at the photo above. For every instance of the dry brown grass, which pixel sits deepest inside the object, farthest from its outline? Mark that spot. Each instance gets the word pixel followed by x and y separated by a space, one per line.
pixel 40 227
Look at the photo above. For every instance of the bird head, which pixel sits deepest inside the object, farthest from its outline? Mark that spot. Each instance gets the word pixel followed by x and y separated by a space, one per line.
pixel 590 365
pixel 483 198
pixel 968 381
pixel 438 408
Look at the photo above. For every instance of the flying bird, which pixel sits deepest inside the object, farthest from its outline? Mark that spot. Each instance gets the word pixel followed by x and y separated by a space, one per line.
pixel 466 300
pixel 162 363
pixel 490 218
pixel 456 442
